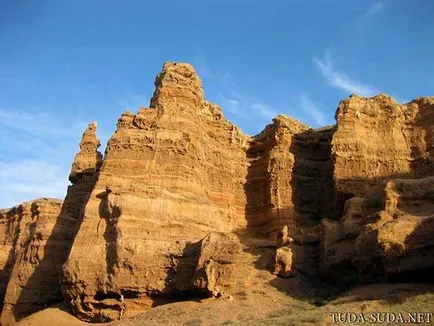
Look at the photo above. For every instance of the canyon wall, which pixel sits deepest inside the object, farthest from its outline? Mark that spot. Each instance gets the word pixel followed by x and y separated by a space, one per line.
pixel 182 196
pixel 377 139
pixel 382 153
pixel 173 173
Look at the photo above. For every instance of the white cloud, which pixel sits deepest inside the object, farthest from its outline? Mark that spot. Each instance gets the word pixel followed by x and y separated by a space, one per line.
pixel 312 110
pixel 251 113
pixel 375 8
pixel 264 110
pixel 29 179
pixel 340 80
pixel 132 101
pixel 201 67
pixel 232 105
pixel 41 124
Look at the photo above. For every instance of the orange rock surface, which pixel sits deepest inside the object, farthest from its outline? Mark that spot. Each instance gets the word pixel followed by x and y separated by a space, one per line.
pixel 183 204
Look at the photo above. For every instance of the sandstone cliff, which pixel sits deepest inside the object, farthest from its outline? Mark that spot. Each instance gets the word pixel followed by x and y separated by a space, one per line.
pixel 178 171
pixel 172 174
pixel 377 140
pixel 184 204
pixel 30 286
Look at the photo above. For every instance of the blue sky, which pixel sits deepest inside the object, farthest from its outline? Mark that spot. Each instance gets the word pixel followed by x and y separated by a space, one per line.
pixel 65 63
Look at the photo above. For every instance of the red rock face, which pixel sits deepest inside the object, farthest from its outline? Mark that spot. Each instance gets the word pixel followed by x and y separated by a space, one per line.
pixel 177 171
pixel 396 242
pixel 9 227
pixel 183 201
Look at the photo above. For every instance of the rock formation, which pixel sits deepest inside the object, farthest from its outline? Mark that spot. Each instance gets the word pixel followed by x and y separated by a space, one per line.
pixel 33 258
pixel 183 200
pixel 377 140
pixel 172 173
pixel 37 237
pixel 83 174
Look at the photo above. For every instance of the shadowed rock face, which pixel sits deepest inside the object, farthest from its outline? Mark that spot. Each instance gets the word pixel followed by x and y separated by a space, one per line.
pixel 33 260
pixel 377 140
pixel 182 197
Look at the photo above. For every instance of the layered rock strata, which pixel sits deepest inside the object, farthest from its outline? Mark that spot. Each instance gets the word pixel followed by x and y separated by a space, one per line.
pixel 178 171
pixel 376 140
pixel 172 174
pixel 182 196
pixel 33 258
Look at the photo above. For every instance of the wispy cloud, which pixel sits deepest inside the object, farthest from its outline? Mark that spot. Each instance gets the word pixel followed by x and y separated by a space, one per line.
pixel 29 179
pixel 232 105
pixel 36 152
pixel 340 80
pixel 132 101
pixel 201 66
pixel 376 7
pixel 264 110
pixel 41 124
pixel 251 113
pixel 312 110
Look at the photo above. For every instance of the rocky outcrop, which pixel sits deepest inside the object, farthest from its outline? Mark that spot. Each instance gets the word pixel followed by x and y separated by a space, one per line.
pixel 84 171
pixel 38 236
pixel 34 275
pixel 377 139
pixel 183 199
pixel 178 172
pixel 396 242
pixel 9 228
pixel 338 242
pixel 216 269
pixel 88 160
pixel 385 236
pixel 172 173
pixel 268 186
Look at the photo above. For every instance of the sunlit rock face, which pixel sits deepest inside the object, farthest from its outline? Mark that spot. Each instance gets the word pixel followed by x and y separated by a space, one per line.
pixel 184 204
pixel 377 139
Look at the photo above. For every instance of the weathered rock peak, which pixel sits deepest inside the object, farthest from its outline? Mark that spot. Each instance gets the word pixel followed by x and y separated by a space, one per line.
pixel 88 160
pixel 178 88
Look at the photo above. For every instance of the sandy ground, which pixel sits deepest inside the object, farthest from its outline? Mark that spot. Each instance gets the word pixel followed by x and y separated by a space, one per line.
pixel 268 306
pixel 261 298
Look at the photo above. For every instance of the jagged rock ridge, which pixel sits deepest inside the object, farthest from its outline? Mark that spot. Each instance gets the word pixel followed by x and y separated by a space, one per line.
pixel 183 199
